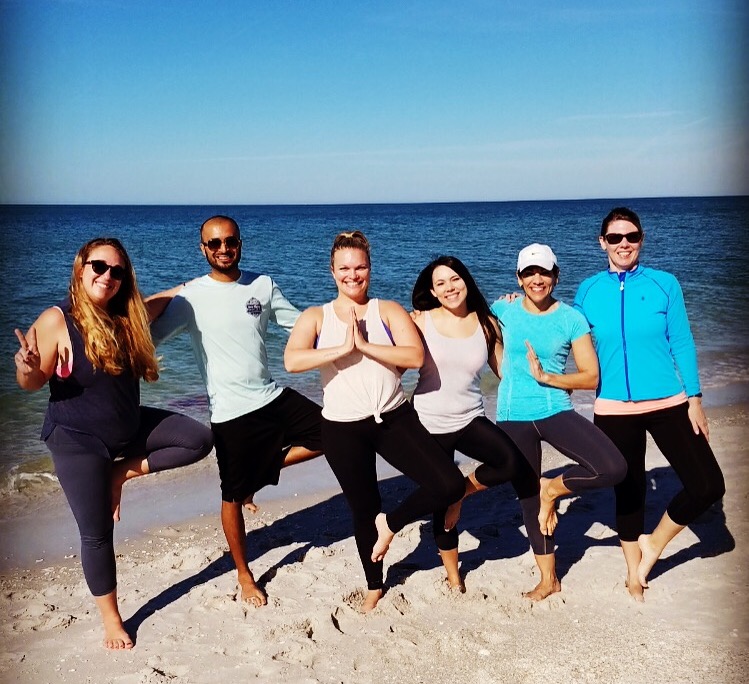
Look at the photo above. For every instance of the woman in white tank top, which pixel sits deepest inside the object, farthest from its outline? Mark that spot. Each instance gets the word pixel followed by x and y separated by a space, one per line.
pixel 460 337
pixel 360 344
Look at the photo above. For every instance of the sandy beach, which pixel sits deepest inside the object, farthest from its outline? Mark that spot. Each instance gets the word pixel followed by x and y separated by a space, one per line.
pixel 178 592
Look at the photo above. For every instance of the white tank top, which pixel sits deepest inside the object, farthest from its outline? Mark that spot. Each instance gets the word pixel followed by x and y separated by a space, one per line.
pixel 357 387
pixel 448 394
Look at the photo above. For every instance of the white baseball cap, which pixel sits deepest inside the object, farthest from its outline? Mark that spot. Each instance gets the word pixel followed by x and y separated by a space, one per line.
pixel 536 255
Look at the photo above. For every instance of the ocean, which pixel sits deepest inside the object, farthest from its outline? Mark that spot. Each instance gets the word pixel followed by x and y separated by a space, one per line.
pixel 703 241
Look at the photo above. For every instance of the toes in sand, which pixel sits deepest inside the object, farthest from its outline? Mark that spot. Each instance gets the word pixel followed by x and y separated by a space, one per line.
pixel 543 590
pixel 371 600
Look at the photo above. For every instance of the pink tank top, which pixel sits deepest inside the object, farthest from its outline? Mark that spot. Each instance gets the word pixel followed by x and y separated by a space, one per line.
pixel 448 394
pixel 357 387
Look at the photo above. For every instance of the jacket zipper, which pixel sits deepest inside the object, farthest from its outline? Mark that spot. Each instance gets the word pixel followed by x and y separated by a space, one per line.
pixel 622 276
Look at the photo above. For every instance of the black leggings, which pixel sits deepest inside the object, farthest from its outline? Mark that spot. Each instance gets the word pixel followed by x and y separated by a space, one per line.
pixel 482 441
pixel 690 456
pixel 598 464
pixel 351 448
pixel 84 467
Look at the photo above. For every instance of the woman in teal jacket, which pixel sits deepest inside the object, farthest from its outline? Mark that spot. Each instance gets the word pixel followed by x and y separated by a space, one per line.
pixel 648 383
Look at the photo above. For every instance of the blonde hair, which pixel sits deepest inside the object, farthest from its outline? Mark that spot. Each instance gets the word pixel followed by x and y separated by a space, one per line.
pixel 353 239
pixel 116 339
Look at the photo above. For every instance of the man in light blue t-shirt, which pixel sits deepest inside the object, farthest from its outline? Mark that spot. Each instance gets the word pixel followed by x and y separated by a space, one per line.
pixel 259 427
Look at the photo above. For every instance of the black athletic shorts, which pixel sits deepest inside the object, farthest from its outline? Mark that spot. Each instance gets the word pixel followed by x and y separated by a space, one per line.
pixel 251 449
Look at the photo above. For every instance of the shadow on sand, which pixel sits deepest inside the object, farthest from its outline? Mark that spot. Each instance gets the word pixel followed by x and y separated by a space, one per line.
pixel 493 517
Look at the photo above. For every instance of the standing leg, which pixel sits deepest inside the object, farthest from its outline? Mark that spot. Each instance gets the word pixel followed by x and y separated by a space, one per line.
pixel 693 461
pixel 232 521
pixel 83 466
pixel 628 434
pixel 526 482
pixel 349 450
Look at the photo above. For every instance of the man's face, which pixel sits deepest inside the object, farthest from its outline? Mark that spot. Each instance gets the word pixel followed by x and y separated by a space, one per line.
pixel 221 246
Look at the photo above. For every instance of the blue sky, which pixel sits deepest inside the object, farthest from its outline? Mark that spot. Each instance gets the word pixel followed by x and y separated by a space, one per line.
pixel 197 102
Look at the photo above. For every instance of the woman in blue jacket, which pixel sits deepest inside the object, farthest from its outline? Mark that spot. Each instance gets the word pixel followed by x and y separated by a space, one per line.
pixel 649 383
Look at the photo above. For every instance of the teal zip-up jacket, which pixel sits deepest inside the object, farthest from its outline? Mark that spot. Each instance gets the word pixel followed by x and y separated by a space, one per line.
pixel 641 332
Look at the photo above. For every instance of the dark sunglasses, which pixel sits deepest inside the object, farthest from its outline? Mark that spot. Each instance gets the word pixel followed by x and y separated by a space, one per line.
pixel 532 270
pixel 101 267
pixel 615 238
pixel 232 242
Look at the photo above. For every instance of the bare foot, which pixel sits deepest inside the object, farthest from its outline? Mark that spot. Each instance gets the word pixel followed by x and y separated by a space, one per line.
pixel 452 515
pixel 649 558
pixel 543 590
pixel 115 636
pixel 456 584
pixel 250 504
pixel 547 516
pixel 370 600
pixel 252 593
pixel 635 589
pixel 384 537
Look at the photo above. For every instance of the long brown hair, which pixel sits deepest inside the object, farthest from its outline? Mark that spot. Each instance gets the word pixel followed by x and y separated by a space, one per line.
pixel 117 339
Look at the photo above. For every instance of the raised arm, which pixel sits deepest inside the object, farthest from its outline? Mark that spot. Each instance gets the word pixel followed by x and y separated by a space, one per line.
pixel 156 303
pixel 40 349
pixel 301 355
pixel 586 361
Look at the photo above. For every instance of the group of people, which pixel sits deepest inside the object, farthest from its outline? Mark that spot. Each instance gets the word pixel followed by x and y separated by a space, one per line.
pixel 627 332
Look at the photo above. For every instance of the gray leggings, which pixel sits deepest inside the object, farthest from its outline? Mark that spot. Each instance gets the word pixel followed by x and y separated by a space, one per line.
pixel 84 467
pixel 598 464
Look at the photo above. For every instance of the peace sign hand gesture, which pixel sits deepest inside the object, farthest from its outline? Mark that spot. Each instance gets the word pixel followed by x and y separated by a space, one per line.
pixel 28 360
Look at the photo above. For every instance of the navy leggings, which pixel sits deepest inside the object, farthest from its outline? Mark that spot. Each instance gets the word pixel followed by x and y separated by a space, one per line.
pixel 485 442
pixel 351 449
pixel 84 467
pixel 598 464
pixel 690 456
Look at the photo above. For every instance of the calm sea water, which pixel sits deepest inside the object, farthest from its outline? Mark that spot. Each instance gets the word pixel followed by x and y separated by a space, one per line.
pixel 703 241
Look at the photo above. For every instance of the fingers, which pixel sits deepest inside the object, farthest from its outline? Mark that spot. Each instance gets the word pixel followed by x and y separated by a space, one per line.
pixel 21 339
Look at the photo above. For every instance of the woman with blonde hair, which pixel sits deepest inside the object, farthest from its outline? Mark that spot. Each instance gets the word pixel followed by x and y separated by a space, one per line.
pixel 93 349
pixel 361 346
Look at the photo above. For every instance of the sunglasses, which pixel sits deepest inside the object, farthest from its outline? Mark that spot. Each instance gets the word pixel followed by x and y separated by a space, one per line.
pixel 615 238
pixel 101 267
pixel 232 242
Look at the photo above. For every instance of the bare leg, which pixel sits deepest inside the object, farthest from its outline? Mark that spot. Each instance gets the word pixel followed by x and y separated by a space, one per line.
pixel 633 556
pixel 122 471
pixel 115 636
pixel 296 454
pixel 652 545
pixel 450 561
pixel 551 490
pixel 549 583
pixel 384 537
pixel 232 521
pixel 371 600
pixel 452 515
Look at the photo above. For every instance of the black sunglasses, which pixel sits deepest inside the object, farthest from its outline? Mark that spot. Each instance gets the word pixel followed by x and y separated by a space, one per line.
pixel 615 238
pixel 101 267
pixel 232 242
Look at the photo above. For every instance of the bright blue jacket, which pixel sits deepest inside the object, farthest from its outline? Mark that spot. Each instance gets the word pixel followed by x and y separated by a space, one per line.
pixel 641 333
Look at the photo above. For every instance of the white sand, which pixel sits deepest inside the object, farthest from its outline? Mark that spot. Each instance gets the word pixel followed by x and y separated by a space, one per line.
pixel 178 591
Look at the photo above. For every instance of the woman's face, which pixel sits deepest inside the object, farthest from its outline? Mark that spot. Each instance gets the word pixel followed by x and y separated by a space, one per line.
pixel 101 287
pixel 448 287
pixel 351 272
pixel 537 283
pixel 624 255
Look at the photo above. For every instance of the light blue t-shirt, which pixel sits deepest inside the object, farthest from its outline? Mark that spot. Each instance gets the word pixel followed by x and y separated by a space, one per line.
pixel 520 395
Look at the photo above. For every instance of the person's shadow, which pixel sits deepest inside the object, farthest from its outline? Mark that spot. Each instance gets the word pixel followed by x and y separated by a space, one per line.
pixel 492 517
